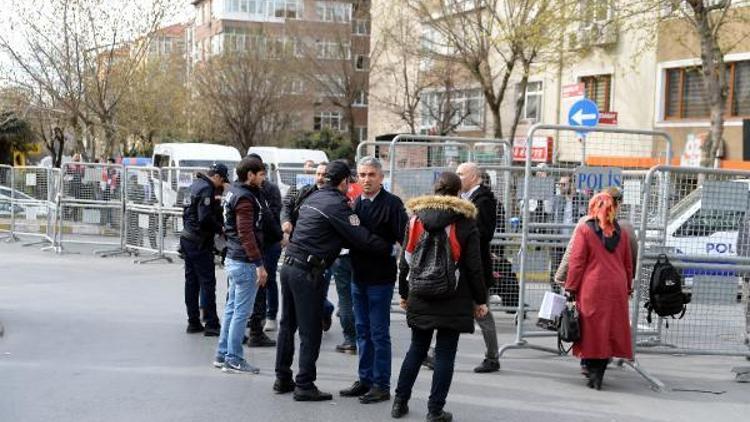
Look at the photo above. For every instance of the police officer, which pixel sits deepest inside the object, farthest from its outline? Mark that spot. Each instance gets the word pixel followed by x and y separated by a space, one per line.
pixel 200 224
pixel 326 224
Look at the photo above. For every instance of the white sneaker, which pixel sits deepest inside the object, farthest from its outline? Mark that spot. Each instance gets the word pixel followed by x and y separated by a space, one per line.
pixel 270 325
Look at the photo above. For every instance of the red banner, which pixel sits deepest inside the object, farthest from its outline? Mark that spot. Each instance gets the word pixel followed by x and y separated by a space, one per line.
pixel 608 118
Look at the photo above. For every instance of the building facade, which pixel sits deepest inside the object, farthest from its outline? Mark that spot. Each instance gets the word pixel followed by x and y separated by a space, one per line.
pixel 330 38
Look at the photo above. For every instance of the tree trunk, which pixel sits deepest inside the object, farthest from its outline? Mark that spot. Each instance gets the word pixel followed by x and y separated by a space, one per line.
pixel 521 100
pixel 714 83
pixel 497 120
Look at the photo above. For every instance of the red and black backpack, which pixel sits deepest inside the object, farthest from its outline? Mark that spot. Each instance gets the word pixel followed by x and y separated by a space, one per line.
pixel 433 260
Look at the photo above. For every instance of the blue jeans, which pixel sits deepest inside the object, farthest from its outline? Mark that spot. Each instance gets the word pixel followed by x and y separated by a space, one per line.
pixel 240 299
pixel 372 314
pixel 342 273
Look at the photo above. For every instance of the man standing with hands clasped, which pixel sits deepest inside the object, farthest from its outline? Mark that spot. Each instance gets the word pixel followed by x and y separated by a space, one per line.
pixel 244 263
pixel 484 200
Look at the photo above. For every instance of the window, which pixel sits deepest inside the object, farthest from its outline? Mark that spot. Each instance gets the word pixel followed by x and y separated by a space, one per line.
pixel 333 11
pixel 289 9
pixel 706 222
pixel 327 119
pixel 532 108
pixel 597 89
pixel 333 50
pixel 462 109
pixel 361 134
pixel 595 11
pixel 360 27
pixel 331 86
pixel 685 96
pixel 361 62
pixel 361 99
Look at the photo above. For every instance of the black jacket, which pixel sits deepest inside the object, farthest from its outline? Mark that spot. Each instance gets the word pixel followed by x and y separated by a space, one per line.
pixel 271 201
pixel 487 216
pixel 326 224
pixel 293 201
pixel 199 219
pixel 457 312
pixel 385 217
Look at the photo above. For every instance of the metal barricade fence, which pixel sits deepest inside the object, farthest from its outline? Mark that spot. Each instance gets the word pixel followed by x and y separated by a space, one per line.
pixel 174 195
pixel 543 235
pixel 91 204
pixel 6 206
pixel 142 192
pixel 33 195
pixel 706 236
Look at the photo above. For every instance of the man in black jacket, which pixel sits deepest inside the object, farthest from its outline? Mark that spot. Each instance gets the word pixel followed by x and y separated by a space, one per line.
pixel 484 200
pixel 267 298
pixel 374 279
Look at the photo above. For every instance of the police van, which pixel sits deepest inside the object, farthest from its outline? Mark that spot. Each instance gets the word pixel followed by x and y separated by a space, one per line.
pixel 697 230
pixel 285 165
pixel 176 183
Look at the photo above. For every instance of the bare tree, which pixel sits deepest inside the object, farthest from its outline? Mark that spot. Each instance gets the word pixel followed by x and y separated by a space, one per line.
pixel 710 29
pixel 246 91
pixel 83 54
pixel 465 33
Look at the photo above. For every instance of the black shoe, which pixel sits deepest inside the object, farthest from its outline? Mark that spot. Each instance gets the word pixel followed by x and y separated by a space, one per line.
pixel 375 395
pixel 283 387
pixel 312 394
pixel 595 377
pixel 443 416
pixel 260 340
pixel 347 347
pixel 194 327
pixel 488 365
pixel 400 407
pixel 212 331
pixel 357 389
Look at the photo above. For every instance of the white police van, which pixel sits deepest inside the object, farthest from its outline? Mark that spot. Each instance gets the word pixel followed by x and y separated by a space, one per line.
pixel 697 230
pixel 284 165
pixel 177 183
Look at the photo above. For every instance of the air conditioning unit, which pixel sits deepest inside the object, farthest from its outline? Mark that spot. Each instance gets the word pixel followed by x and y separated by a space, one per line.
pixel 602 34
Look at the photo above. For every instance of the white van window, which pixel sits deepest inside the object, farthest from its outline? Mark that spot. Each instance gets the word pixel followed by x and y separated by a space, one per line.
pixel 707 222
pixel 208 163
pixel 161 160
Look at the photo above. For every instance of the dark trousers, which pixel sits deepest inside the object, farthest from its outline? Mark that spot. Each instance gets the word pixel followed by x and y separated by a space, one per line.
pixel 372 312
pixel 342 273
pixel 199 275
pixel 302 296
pixel 445 357
pixel 270 262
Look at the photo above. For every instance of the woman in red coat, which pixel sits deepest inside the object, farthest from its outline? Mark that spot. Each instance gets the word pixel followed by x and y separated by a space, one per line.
pixel 600 276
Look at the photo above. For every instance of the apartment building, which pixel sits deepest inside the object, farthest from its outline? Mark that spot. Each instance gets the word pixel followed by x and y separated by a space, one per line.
pixel 641 77
pixel 335 35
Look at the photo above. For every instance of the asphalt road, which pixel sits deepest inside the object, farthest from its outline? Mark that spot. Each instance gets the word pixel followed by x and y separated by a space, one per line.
pixel 102 339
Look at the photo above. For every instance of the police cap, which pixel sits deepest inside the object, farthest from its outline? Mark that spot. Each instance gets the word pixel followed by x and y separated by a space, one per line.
pixel 338 170
pixel 220 169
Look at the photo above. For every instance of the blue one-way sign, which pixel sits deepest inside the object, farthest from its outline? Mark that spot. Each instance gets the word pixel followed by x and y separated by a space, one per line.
pixel 583 113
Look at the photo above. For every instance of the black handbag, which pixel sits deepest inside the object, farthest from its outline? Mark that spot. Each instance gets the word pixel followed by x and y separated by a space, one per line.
pixel 569 328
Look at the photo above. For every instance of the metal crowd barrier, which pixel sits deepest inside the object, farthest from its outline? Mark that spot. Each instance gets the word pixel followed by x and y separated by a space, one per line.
pixel 28 203
pixel 706 236
pixel 583 145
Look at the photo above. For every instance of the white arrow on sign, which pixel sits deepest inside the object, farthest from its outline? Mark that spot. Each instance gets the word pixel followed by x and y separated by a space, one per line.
pixel 579 117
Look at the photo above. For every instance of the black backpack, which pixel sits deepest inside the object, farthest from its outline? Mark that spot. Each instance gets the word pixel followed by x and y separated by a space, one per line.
pixel 665 296
pixel 432 268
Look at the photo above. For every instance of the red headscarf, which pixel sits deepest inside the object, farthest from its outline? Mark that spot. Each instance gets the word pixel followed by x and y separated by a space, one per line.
pixel 602 207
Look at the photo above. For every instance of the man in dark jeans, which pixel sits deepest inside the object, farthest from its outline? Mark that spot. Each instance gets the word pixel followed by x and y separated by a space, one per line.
pixel 374 279
pixel 270 197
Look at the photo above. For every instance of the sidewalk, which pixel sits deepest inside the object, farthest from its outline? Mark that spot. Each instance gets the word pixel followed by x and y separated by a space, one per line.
pixel 91 339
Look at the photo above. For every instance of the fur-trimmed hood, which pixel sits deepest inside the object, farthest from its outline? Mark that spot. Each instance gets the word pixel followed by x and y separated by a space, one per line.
pixel 438 211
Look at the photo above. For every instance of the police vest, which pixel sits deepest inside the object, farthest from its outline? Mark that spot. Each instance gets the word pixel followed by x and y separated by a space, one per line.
pixel 201 190
pixel 234 246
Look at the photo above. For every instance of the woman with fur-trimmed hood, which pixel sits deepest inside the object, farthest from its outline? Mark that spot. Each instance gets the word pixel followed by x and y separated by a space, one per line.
pixel 450 316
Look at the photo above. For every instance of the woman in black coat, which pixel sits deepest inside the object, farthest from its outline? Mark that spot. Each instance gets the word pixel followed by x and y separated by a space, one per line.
pixel 450 316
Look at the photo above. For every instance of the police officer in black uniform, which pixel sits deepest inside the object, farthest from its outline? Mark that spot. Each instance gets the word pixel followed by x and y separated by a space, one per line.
pixel 200 225
pixel 326 224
